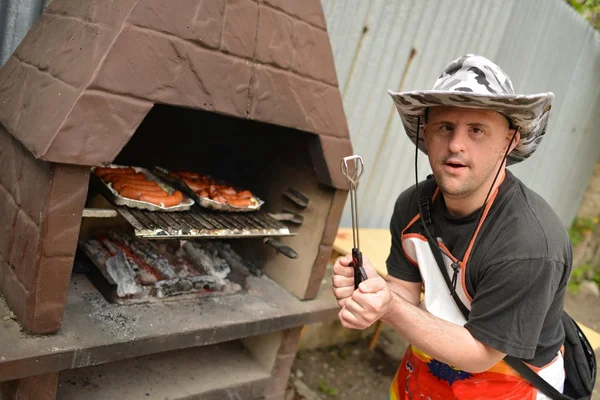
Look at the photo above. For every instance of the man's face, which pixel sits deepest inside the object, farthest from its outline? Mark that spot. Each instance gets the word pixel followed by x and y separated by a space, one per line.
pixel 465 147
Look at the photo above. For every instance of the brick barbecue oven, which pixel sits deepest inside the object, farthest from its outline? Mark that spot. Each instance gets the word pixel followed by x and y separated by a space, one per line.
pixel 242 89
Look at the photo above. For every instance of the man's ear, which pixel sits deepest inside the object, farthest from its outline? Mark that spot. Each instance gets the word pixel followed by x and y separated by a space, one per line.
pixel 515 140
pixel 425 134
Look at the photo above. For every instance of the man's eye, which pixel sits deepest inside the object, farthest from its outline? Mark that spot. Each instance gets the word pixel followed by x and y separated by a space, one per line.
pixel 446 128
pixel 477 131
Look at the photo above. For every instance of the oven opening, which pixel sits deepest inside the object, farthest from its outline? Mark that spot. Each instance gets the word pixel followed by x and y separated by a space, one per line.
pixel 209 248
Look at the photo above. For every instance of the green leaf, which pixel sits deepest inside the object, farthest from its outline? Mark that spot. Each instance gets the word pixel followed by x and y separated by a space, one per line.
pixel 326 389
pixel 573 287
pixel 576 5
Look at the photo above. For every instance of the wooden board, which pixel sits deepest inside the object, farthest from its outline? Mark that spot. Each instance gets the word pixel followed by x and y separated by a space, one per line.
pixel 374 243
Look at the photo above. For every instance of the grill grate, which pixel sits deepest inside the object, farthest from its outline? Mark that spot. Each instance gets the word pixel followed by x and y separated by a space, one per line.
pixel 201 223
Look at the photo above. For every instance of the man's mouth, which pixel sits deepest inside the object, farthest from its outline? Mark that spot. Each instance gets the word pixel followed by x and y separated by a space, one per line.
pixel 454 165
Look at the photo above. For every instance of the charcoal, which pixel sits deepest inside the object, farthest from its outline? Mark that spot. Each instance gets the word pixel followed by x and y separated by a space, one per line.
pixel 208 258
pixel 185 285
pixel 146 278
pixel 96 249
pixel 235 260
pixel 146 253
pixel 123 274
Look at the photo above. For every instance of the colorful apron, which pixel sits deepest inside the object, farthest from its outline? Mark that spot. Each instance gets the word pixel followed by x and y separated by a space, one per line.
pixel 422 377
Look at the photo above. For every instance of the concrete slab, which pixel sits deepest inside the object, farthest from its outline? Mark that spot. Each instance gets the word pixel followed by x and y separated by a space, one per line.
pixel 95 331
pixel 224 370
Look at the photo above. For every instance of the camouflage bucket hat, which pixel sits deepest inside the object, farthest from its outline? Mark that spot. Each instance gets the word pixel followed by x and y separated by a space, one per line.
pixel 474 81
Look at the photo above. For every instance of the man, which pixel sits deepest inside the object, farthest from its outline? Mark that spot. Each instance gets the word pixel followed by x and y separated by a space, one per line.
pixel 508 254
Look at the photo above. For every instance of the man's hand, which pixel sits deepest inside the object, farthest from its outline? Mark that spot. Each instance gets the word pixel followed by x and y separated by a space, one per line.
pixel 342 279
pixel 361 307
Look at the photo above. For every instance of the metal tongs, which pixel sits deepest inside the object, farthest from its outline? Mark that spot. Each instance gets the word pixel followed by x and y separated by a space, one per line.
pixel 353 176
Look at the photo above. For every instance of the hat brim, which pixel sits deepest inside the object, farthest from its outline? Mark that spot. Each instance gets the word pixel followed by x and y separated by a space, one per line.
pixel 529 112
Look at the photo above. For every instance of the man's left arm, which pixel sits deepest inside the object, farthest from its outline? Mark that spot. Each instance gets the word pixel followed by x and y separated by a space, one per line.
pixel 507 314
pixel 442 340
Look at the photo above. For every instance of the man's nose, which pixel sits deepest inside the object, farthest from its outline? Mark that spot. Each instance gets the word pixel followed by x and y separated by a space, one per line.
pixel 458 139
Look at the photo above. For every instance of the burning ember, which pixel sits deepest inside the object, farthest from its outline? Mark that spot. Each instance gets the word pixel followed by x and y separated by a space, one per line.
pixel 138 270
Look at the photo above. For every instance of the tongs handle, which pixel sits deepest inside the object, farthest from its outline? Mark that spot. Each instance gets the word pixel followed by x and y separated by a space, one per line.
pixel 357 263
pixel 353 175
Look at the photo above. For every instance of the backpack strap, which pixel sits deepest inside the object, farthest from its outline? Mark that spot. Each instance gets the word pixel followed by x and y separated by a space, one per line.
pixel 537 381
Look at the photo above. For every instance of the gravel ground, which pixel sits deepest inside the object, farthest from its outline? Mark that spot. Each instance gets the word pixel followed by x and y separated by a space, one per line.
pixel 350 371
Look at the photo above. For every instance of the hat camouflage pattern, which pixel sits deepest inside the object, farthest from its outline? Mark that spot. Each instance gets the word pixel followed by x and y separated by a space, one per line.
pixel 473 81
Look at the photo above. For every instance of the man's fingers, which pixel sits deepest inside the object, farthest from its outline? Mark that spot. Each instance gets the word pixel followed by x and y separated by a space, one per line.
pixel 345 260
pixel 343 293
pixel 372 285
pixel 369 269
pixel 349 320
pixel 341 267
pixel 354 307
pixel 342 281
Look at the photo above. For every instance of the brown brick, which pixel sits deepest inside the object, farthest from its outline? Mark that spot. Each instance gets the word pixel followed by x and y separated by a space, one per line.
pixel 46 303
pixel 318 272
pixel 8 221
pixel 12 156
pixel 12 88
pixel 334 216
pixel 274 41
pixel 280 375
pixel 60 228
pixel 313 55
pixel 35 105
pixel 15 294
pixel 39 387
pixel 310 11
pixel 212 81
pixel 239 29
pixel 152 65
pixel 24 252
pixel 197 20
pixel 280 97
pixel 98 121
pixel 275 396
pixel 4 271
pixel 68 49
pixel 176 73
pixel 289 341
pixel 106 12
pixel 34 186
pixel 327 152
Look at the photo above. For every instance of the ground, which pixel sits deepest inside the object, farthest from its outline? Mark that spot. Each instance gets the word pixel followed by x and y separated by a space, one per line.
pixel 352 371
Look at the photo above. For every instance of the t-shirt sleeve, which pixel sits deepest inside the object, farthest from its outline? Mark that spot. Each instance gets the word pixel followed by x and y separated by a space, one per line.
pixel 511 302
pixel 397 263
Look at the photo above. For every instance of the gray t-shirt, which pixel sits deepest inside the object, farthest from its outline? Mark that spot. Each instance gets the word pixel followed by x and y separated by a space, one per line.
pixel 517 271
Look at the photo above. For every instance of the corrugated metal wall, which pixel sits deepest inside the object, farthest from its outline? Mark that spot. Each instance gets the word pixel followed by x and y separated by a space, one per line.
pixel 16 17
pixel 543 45
pixel 404 44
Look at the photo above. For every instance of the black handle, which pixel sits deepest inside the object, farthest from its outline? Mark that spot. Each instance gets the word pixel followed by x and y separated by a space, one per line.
pixel 296 197
pixel 281 248
pixel 359 272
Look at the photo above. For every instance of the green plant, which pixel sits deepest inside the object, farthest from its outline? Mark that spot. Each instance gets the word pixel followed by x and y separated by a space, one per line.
pixel 578 274
pixel 597 276
pixel 573 287
pixel 324 387
pixel 590 9
pixel 581 228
